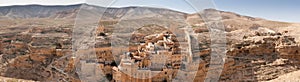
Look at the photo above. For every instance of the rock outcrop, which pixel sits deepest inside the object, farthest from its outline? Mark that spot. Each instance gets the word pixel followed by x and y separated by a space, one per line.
pixel 261 57
pixel 42 51
pixel 35 54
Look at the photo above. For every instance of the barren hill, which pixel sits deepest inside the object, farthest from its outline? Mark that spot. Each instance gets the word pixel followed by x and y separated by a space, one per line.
pixel 35 41
pixel 70 11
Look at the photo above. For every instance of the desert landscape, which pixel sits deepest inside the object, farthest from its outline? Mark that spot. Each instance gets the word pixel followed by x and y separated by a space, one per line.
pixel 36 44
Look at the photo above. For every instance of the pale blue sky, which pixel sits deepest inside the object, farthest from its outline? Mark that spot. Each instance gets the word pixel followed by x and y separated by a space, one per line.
pixel 280 10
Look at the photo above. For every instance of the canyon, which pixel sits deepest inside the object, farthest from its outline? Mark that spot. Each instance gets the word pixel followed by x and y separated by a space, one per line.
pixel 36 44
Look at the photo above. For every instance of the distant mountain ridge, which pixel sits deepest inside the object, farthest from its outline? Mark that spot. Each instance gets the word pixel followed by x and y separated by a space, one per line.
pixel 133 12
pixel 35 11
pixel 70 11
pixel 232 21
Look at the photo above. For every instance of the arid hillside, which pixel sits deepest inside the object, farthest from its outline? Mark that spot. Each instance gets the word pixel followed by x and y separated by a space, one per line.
pixel 36 44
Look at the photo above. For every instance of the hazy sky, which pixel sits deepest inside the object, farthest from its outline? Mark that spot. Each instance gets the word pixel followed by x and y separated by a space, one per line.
pixel 281 10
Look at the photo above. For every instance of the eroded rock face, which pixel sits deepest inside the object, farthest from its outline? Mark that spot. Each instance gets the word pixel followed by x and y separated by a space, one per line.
pixel 258 57
pixel 261 57
pixel 36 54
pixel 44 53
pixel 5 79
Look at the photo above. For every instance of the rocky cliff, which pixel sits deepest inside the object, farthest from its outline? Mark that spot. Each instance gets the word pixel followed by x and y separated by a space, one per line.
pixel 39 47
